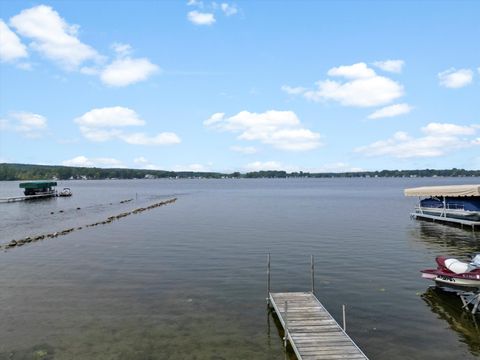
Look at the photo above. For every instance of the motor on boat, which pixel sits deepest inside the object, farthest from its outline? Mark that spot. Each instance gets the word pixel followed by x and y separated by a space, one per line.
pixel 455 273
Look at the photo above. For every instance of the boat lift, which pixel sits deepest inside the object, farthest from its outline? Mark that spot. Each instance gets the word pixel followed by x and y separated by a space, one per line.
pixel 470 298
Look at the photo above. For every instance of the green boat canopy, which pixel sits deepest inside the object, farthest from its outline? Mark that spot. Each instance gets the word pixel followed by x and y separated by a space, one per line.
pixel 37 184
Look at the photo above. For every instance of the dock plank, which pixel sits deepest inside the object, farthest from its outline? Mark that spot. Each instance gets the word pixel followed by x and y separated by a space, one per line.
pixel 312 332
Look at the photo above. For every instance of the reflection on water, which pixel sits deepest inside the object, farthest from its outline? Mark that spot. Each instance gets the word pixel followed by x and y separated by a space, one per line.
pixel 448 307
pixel 447 239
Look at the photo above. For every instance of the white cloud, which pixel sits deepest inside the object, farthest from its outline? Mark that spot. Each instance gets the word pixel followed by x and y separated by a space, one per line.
pixel 355 71
pixel 266 165
pixel 53 36
pixel 195 3
pixel 11 48
pixel 110 117
pixel 126 71
pixel 337 167
pixel 143 163
pixel 104 124
pixel 247 150
pixel 201 18
pixel 83 161
pixel 281 129
pixel 391 111
pixel 165 138
pixel 394 66
pixel 439 140
pixel 453 78
pixel 228 9
pixel 293 90
pixel 29 124
pixel 362 88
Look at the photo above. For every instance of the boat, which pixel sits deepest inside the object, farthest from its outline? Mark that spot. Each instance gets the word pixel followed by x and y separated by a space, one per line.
pixel 453 203
pixel 39 188
pixel 65 192
pixel 454 273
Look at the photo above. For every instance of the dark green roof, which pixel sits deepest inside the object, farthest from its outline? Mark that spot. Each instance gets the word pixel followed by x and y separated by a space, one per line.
pixel 37 184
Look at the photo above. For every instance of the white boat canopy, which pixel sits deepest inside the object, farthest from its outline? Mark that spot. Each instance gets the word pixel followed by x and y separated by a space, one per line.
pixel 450 190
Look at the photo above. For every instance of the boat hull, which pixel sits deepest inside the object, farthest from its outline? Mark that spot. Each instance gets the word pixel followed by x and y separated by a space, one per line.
pixel 451 213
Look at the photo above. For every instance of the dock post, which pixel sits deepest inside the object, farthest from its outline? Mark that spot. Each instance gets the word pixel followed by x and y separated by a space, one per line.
pixel 344 319
pixel 285 339
pixel 268 279
pixel 312 268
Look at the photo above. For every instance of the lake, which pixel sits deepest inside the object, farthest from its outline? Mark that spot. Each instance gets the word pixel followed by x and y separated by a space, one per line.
pixel 188 280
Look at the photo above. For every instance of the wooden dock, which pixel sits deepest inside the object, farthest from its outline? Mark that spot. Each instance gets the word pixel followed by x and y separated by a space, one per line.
pixel 446 220
pixel 29 197
pixel 310 329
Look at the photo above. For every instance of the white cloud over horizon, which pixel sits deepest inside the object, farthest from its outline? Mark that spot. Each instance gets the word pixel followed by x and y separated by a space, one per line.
pixel 103 124
pixel 439 139
pixel 280 129
pixel 391 111
pixel 455 79
pixel 11 47
pixel 362 87
pixel 83 161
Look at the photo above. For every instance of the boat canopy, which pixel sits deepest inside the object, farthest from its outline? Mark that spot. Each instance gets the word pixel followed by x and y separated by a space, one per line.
pixel 450 190
pixel 37 184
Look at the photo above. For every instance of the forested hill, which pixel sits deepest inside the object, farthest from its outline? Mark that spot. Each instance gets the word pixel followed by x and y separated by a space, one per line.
pixel 35 172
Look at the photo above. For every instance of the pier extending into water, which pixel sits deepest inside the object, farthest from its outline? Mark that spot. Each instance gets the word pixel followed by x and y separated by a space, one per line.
pixel 309 328
pixel 29 197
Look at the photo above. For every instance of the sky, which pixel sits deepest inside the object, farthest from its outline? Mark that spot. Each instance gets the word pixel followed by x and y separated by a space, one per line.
pixel 315 86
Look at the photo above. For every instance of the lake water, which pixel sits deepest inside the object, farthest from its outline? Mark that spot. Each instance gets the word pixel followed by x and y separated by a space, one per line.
pixel 188 280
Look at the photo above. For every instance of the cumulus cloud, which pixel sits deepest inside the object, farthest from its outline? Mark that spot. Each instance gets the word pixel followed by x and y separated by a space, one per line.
pixel 362 87
pixel 453 78
pixel 127 71
pixel 110 117
pixel 394 66
pixel 391 111
pixel 200 18
pixel 11 48
pixel 83 161
pixel 104 124
pixel 53 37
pixel 27 123
pixel 438 140
pixel 247 150
pixel 280 129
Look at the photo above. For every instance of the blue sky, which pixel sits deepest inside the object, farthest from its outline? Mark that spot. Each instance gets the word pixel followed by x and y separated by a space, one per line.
pixel 247 85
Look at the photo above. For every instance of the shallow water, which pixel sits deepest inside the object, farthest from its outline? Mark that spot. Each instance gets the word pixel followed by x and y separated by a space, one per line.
pixel 187 280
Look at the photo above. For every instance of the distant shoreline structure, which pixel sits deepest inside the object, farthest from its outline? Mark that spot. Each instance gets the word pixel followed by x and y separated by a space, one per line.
pixel 12 172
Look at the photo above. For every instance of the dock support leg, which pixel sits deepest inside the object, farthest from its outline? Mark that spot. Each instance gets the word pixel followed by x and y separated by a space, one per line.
pixel 285 339
pixel 268 279
pixel 312 268
pixel 344 319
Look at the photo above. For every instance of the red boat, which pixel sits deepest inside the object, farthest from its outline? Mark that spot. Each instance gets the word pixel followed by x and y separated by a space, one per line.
pixel 455 273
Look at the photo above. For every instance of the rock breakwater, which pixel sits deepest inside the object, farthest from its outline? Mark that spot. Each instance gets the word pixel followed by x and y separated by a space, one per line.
pixel 16 243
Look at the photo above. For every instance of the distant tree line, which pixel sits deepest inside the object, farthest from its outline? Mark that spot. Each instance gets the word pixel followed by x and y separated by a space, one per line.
pixel 37 172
